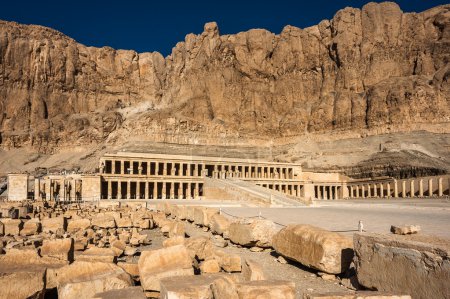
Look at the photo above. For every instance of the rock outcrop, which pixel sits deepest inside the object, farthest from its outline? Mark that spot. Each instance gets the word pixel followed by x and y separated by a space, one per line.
pixel 376 69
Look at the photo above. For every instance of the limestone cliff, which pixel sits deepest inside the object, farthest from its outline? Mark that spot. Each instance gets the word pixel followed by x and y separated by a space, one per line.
pixel 373 70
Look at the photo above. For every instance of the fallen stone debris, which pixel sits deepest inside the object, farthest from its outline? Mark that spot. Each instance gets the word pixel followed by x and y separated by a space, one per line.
pixel 86 251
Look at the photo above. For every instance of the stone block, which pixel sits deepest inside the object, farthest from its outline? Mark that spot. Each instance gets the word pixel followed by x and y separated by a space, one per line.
pixel 228 262
pixel 12 227
pixel 78 224
pixel 52 225
pixel 23 284
pixel 220 225
pixel 210 266
pixel 96 254
pixel 124 222
pixel 266 289
pixel 253 233
pixel 104 221
pixel 251 270
pixel 61 249
pixel 357 295
pixel 178 240
pixel 128 293
pixel 405 230
pixel 315 248
pixel 193 287
pixel 31 227
pixel 414 265
pixel 166 262
pixel 85 279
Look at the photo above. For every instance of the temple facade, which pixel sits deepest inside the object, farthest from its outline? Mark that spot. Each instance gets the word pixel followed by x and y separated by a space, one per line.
pixel 143 176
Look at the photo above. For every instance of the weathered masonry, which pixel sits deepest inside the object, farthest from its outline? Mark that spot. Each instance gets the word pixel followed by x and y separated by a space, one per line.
pixel 154 176
pixel 142 176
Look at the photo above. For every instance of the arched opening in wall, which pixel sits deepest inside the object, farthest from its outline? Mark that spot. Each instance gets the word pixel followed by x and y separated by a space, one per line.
pixel 114 190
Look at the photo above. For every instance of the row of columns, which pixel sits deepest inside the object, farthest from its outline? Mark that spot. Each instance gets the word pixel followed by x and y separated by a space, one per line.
pixel 58 190
pixel 403 188
pixel 289 189
pixel 327 192
pixel 219 171
pixel 152 190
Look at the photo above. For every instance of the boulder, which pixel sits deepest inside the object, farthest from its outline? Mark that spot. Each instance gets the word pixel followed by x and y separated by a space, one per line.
pixel 31 227
pixel 78 224
pixel 405 230
pixel 415 265
pixel 262 289
pixel 177 228
pixel 251 270
pixel 118 247
pixel 85 279
pixel 128 293
pixel 253 233
pixel 104 221
pixel 52 225
pixel 220 225
pixel 315 248
pixel 200 247
pixel 224 287
pixel 160 263
pixel 61 249
pixel 12 227
pixel 130 268
pixel 203 215
pixel 228 262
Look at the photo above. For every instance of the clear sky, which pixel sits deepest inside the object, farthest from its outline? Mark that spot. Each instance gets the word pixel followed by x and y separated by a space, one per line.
pixel 147 26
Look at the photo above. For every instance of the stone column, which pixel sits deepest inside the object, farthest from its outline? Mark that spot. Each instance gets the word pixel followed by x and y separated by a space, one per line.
pixel 351 191
pixel 140 168
pixel 163 195
pixel 148 169
pixel 412 192
pixel 363 193
pixel 172 190
pixel 395 188
pixel 180 190
pixel 430 187
pixel 325 193
pixel 375 191
pixel 381 190
pixel 196 169
pixel 122 167
pixel 196 191
pixel 165 168
pixel 188 192
pixel 109 193
pixel 403 189
pixel 388 190
pixel 369 191
pixel 440 187
pixel 155 190
pixel 147 190
pixel 319 192
pixel 138 190
pixel 128 189
pixel 421 188
pixel 119 190
pixel 156 168
pixel 215 172
pixel 113 166
pixel 173 169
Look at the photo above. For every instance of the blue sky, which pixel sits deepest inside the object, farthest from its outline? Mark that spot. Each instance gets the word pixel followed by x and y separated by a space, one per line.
pixel 158 25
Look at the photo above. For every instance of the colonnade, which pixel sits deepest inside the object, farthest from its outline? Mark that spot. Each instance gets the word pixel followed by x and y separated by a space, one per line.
pixel 296 190
pixel 416 187
pixel 58 189
pixel 145 189
pixel 327 192
pixel 216 170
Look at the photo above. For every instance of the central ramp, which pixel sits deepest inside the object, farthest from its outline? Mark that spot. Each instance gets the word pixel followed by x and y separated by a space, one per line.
pixel 240 190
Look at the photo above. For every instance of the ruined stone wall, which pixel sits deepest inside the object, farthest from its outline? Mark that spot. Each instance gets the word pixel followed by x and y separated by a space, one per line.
pixel 17 186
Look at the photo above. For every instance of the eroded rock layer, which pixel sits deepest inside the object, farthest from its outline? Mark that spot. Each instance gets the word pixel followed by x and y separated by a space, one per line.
pixel 376 69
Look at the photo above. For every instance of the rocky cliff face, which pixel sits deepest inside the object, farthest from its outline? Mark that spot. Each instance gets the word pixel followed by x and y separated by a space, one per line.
pixel 371 70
